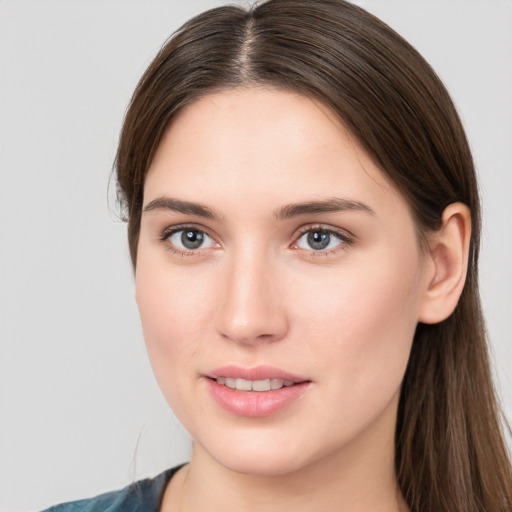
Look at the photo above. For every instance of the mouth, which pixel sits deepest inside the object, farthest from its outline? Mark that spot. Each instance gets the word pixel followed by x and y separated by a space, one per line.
pixel 259 378
pixel 255 392
pixel 254 385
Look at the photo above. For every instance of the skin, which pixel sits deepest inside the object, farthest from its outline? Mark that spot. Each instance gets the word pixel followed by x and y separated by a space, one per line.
pixel 257 293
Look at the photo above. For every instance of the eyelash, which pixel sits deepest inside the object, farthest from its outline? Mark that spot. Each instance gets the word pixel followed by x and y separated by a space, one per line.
pixel 346 239
pixel 167 233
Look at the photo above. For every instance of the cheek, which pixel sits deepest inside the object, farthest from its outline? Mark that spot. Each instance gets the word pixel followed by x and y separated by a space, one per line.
pixel 363 324
pixel 171 320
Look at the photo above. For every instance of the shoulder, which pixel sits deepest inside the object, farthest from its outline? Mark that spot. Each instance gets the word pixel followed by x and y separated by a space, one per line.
pixel 141 496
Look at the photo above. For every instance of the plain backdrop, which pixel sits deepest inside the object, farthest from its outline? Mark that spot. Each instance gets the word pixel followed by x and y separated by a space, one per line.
pixel 80 412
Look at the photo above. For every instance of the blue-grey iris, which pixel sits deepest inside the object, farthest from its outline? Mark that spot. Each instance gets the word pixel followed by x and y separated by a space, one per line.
pixel 318 240
pixel 192 239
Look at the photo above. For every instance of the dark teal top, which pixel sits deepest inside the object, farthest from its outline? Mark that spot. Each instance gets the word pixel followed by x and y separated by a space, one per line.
pixel 142 496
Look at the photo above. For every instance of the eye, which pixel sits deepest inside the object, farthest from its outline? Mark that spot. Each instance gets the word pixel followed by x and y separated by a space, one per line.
pixel 321 240
pixel 188 239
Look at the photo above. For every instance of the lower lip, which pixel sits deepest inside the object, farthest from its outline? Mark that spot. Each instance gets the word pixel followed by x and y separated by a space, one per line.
pixel 256 404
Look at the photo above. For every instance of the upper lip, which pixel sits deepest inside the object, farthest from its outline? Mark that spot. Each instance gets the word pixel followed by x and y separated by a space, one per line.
pixel 261 372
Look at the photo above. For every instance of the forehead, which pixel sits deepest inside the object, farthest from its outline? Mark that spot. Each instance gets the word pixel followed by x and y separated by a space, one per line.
pixel 262 142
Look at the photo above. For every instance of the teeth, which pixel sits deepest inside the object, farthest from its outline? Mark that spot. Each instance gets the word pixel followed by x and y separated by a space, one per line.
pixel 253 385
pixel 262 385
pixel 276 384
pixel 243 385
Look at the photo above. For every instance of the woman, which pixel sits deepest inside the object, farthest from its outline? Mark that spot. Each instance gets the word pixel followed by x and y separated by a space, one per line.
pixel 303 222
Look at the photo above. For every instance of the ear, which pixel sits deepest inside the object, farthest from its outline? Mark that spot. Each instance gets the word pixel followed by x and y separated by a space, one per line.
pixel 447 264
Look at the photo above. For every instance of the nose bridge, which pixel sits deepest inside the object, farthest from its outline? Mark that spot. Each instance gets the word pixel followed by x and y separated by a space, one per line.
pixel 251 307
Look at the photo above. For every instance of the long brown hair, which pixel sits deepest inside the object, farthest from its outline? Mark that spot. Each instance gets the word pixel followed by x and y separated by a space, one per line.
pixel 450 449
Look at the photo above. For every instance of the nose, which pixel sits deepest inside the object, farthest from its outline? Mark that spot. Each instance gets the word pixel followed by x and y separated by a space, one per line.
pixel 251 304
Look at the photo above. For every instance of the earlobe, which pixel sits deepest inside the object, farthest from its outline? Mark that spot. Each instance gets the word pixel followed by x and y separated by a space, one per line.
pixel 447 265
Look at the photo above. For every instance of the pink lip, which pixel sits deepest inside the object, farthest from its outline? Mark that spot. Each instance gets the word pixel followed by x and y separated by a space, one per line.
pixel 255 404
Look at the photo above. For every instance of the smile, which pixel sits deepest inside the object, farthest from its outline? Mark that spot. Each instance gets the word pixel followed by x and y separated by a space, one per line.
pixel 255 392
pixel 253 385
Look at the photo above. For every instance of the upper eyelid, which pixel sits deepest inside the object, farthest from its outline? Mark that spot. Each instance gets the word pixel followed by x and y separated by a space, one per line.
pixel 166 232
pixel 342 232
pixel 345 237
pixel 165 236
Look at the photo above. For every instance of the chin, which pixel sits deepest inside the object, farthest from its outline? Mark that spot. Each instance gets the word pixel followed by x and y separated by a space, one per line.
pixel 263 465
pixel 265 455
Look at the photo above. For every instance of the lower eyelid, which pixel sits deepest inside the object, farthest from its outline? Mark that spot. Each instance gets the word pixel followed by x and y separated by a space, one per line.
pixel 344 238
pixel 165 238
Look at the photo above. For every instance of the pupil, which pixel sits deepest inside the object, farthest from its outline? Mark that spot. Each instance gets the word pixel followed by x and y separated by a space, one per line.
pixel 318 240
pixel 192 239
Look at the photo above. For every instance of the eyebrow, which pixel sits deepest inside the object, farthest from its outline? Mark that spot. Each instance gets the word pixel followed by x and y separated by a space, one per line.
pixel 331 205
pixel 288 211
pixel 177 205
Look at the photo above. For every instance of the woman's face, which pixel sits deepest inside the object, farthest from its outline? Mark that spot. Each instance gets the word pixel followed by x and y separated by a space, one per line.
pixel 273 251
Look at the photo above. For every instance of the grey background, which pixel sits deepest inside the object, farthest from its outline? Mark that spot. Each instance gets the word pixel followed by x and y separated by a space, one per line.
pixel 80 412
